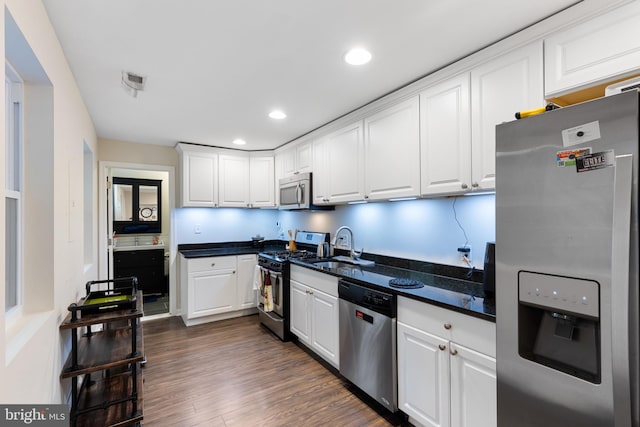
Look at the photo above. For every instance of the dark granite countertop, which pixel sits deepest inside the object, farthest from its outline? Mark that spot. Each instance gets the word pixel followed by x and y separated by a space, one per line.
pixel 202 250
pixel 465 296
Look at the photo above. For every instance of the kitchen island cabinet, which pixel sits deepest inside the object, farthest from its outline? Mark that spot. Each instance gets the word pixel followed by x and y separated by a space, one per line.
pixel 314 312
pixel 446 367
pixel 216 288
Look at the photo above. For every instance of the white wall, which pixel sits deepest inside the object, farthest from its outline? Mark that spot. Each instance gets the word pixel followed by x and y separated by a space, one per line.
pixel 423 230
pixel 223 224
pixel 32 351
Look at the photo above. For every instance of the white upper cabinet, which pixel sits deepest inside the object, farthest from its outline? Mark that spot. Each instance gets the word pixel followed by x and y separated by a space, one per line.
pixel 199 178
pixel 499 88
pixel 304 157
pixel 294 160
pixel 234 181
pixel 600 50
pixel 261 181
pixel 246 181
pixel 338 175
pixel 445 137
pixel 392 151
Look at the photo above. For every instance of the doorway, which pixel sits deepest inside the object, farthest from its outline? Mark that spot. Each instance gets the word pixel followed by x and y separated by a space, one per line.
pixel 138 248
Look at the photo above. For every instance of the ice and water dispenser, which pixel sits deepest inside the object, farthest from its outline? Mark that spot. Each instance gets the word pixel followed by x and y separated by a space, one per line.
pixel 559 323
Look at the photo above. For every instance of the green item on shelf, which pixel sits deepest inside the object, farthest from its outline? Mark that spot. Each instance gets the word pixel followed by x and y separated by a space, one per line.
pixel 108 299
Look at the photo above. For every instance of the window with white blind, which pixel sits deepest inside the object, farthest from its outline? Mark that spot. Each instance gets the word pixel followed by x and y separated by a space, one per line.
pixel 13 191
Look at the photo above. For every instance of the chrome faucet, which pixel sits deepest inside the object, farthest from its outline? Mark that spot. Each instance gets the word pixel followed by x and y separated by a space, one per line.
pixel 353 254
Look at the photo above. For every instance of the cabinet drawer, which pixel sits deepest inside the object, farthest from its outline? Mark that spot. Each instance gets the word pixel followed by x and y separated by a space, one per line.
pixel 470 331
pixel 211 263
pixel 320 281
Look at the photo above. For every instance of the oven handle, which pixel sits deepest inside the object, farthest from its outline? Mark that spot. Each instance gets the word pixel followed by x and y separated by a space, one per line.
pixel 271 316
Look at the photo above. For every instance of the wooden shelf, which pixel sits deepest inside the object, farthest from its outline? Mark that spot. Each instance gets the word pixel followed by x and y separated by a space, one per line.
pixel 106 362
pixel 106 390
pixel 105 350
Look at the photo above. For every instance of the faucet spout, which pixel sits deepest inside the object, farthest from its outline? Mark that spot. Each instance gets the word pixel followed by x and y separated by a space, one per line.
pixel 353 254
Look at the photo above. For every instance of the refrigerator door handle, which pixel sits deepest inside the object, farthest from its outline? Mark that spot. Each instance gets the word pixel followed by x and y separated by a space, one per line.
pixel 622 192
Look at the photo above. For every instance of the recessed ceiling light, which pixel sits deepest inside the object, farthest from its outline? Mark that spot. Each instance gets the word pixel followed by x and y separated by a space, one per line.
pixel 357 56
pixel 239 141
pixel 277 114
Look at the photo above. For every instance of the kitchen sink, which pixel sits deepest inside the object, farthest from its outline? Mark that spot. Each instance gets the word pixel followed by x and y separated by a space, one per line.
pixel 333 264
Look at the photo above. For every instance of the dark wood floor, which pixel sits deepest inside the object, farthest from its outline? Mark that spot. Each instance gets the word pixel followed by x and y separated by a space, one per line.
pixel 235 373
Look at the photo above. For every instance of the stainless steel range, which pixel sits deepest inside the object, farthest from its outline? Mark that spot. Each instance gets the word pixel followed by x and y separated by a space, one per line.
pixel 273 298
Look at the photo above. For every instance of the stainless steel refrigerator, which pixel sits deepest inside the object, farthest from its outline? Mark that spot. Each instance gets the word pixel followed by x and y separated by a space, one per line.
pixel 567 266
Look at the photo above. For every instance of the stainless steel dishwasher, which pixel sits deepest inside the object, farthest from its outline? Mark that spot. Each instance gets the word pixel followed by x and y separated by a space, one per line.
pixel 368 341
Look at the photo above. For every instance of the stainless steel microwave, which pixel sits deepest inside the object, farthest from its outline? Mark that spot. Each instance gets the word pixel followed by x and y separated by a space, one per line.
pixel 295 193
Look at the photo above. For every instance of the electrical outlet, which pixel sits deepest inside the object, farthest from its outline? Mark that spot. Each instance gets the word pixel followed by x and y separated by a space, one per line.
pixel 197 229
pixel 464 252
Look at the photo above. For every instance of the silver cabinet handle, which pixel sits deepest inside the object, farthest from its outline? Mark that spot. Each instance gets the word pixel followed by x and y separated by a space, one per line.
pixel 442 347
pixel 453 352
pixel 620 242
pixel 447 326
pixel 213 264
pixel 475 185
pixel 464 186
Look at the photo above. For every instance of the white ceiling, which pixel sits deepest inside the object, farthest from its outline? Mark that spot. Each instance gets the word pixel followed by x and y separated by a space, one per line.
pixel 215 68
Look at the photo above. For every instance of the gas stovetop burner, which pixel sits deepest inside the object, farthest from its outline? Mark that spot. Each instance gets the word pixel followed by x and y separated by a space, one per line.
pixel 287 255
pixel 405 283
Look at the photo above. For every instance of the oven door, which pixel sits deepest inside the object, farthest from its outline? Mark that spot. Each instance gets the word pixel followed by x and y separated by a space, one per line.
pixel 275 279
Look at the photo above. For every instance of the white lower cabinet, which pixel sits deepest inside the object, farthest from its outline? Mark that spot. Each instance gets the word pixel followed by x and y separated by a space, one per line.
pixel 214 288
pixel 245 294
pixel 314 312
pixel 473 388
pixel 446 367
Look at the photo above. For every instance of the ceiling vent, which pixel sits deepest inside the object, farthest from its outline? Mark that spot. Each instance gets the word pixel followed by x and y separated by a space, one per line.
pixel 133 83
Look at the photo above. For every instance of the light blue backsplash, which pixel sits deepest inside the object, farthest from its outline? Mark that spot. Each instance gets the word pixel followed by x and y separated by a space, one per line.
pixel 424 230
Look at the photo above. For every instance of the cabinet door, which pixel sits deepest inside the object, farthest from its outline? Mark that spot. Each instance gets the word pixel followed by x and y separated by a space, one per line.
pixel 199 179
pixel 473 388
pixel 261 179
pixel 211 292
pixel 299 311
pixel 344 164
pixel 392 152
pixel 321 172
pixel 423 376
pixel 304 157
pixel 246 295
pixel 234 181
pixel 324 326
pixel 445 137
pixel 599 50
pixel 500 88
pixel 287 159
